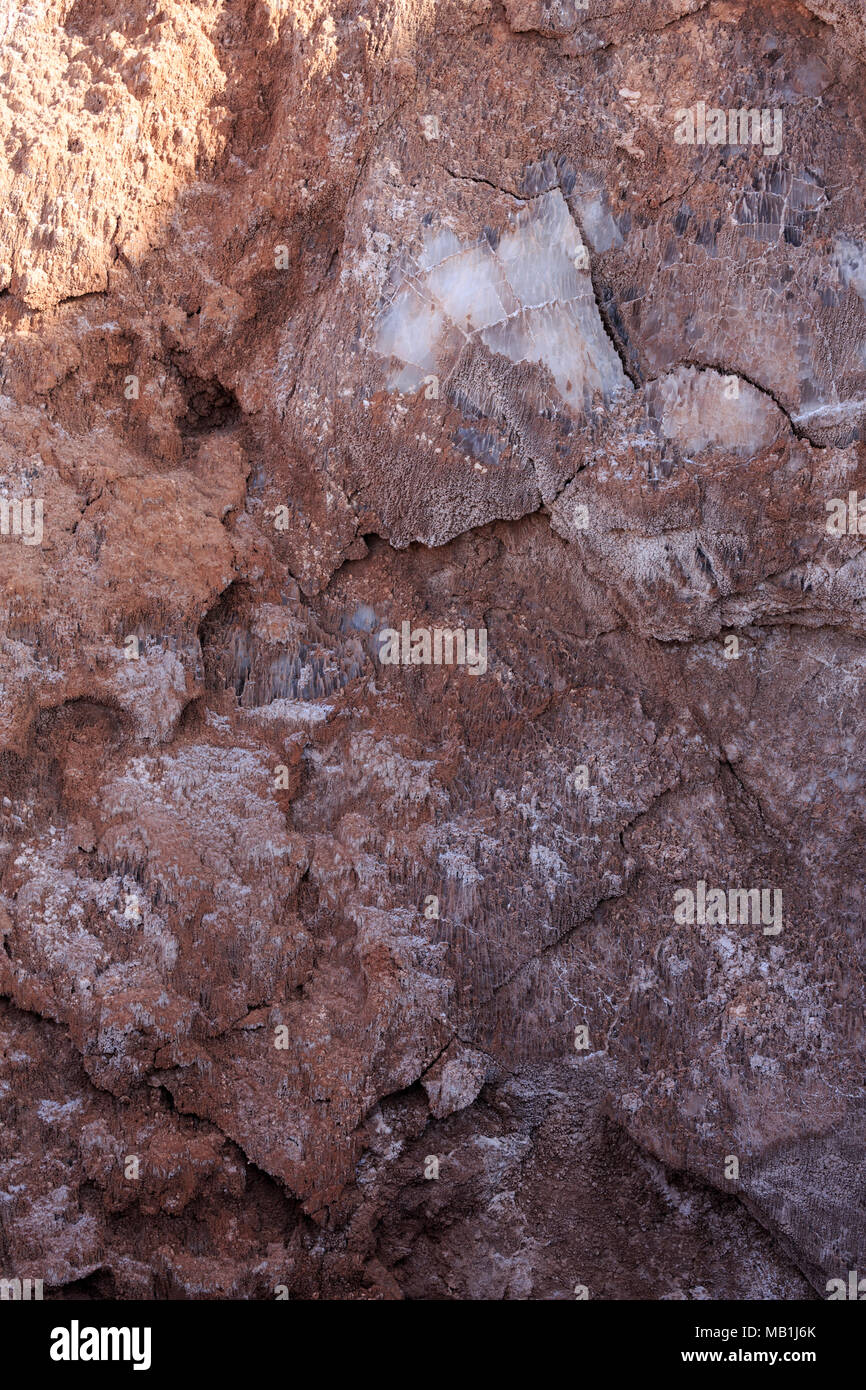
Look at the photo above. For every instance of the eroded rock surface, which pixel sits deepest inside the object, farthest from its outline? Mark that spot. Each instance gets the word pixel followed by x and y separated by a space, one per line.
pixel 323 977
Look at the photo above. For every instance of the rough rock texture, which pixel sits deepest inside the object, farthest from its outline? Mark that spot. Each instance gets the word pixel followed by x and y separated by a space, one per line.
pixel 327 978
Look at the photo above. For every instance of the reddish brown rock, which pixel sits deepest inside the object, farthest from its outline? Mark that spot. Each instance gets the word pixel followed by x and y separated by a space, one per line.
pixel 323 977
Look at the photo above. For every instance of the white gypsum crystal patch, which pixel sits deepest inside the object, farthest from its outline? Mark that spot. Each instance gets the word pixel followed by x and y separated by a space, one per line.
pixel 529 297
pixel 701 408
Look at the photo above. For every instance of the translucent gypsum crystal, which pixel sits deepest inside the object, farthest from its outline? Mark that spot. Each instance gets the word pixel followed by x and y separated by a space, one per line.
pixel 700 408
pixel 529 298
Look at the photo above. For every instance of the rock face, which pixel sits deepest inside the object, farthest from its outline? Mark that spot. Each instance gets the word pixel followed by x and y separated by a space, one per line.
pixel 432 649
